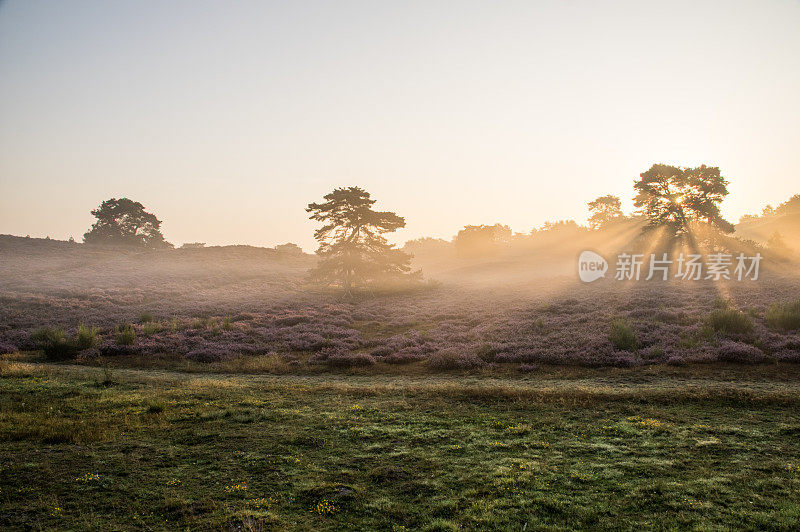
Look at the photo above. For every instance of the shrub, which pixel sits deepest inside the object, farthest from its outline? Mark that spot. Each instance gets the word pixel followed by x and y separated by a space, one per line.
pixel 730 351
pixel 151 327
pixel 382 351
pixel 213 327
pixel 87 337
pixel 307 342
pixel 349 360
pixel 730 321
pixel 146 317
pixel 6 348
pixel 487 352
pixel 454 358
pixel 622 335
pixel 226 323
pixel 55 345
pixel 126 335
pixel 785 316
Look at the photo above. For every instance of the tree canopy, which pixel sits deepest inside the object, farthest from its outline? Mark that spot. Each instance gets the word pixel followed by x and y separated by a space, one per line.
pixel 605 209
pixel 675 197
pixel 353 250
pixel 124 222
pixel 477 240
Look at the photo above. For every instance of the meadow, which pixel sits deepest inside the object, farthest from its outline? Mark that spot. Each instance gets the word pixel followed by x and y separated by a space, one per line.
pixel 123 449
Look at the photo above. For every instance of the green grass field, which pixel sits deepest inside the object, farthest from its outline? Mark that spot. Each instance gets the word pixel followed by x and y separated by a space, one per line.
pixel 714 448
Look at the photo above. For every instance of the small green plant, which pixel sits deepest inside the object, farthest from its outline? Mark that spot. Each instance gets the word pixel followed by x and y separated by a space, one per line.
pixel 87 337
pixel 622 335
pixel 784 316
pixel 54 343
pixel 151 327
pixel 48 335
pixel 226 323
pixel 146 317
pixel 126 335
pixel 730 321
pixel 199 323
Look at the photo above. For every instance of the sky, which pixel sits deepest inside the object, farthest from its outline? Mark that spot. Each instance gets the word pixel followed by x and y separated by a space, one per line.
pixel 226 118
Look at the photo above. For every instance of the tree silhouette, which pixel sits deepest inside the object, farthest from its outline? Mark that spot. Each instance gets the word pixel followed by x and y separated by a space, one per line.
pixel 604 209
pixel 124 222
pixel 675 197
pixel 479 240
pixel 351 244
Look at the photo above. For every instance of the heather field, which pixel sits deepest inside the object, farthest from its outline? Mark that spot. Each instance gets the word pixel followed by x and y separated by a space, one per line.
pixel 249 309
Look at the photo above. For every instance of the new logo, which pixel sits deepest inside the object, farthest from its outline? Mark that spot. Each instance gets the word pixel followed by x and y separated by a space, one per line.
pixel 591 266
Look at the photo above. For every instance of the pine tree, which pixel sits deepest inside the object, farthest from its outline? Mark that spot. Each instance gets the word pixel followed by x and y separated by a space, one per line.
pixel 352 248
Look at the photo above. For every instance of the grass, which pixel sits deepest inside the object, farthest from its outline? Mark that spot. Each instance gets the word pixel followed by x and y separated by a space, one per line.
pixel 87 337
pixel 622 335
pixel 784 316
pixel 713 448
pixel 126 335
pixel 151 327
pixel 730 321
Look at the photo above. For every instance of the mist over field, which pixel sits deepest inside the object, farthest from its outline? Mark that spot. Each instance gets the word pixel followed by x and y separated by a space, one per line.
pixel 508 305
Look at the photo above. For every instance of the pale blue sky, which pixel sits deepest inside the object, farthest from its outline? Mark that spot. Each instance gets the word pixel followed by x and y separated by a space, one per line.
pixel 226 118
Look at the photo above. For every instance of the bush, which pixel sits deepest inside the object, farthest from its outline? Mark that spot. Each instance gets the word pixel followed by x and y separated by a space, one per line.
pixel 6 348
pixel 730 351
pixel 454 358
pixel 55 345
pixel 730 321
pixel 87 337
pixel 785 316
pixel 126 335
pixel 622 335
pixel 146 317
pixel 151 327
pixel 226 323
pixel 382 351
pixel 349 360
